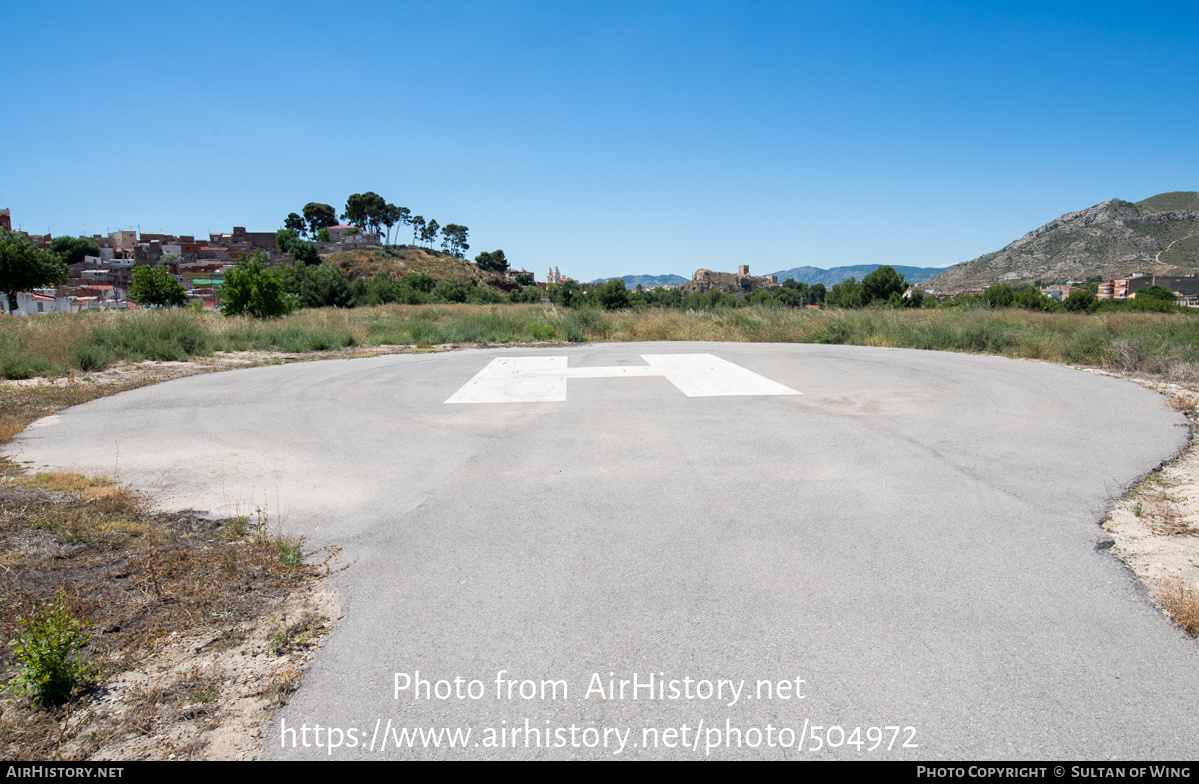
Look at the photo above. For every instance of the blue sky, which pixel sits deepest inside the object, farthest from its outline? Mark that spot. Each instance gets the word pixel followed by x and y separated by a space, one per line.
pixel 605 138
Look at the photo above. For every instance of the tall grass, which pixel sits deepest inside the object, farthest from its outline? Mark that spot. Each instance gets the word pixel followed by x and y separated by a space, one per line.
pixel 54 344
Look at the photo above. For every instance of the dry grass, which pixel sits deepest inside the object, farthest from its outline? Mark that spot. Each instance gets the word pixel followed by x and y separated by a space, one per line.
pixel 368 263
pixel 101 492
pixel 1182 603
pixel 10 425
pixel 1184 401
pixel 1159 344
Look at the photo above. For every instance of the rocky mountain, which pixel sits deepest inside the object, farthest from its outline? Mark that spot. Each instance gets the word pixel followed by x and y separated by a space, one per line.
pixel 831 277
pixel 1159 235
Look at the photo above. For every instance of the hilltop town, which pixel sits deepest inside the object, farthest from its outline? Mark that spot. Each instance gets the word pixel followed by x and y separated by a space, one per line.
pixel 102 281
pixel 1110 252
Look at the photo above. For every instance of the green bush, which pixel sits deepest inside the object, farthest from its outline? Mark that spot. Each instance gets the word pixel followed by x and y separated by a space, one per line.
pixel 424 333
pixel 47 650
pixel 290 551
pixel 530 294
pixel 89 357
pixel 613 295
pixel 158 335
pixel 253 289
pixel 452 291
pixel 573 329
pixel 538 331
pixel 18 366
pixel 156 286
pixel 297 339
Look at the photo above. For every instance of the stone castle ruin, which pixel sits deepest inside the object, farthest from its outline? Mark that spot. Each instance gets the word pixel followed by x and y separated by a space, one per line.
pixel 729 282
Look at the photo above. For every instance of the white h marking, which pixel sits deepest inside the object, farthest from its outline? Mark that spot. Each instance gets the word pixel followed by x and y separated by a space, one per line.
pixel 543 379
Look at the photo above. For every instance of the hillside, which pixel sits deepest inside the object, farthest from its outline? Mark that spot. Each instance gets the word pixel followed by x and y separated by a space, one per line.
pixel 1159 235
pixel 440 266
pixel 835 275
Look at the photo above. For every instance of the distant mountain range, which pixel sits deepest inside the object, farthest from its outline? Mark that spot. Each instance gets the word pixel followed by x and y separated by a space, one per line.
pixel 831 277
pixel 1157 236
pixel 647 281
pixel 809 275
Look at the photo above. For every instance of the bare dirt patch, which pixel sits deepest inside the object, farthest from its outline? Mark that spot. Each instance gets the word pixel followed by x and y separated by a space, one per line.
pixel 1155 526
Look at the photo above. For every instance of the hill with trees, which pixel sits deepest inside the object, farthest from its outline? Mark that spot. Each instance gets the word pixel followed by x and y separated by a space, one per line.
pixel 1159 235
pixel 404 260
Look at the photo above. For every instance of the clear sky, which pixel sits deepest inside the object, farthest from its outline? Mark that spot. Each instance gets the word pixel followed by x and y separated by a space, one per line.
pixel 606 138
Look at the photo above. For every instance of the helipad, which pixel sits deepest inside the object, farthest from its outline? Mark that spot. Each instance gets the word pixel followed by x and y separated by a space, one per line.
pixel 780 551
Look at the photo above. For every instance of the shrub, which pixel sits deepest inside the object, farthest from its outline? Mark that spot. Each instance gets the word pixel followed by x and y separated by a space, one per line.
pixel 157 287
pixel 531 294
pixel 18 366
pixel 47 650
pixel 158 335
pixel 252 288
pixel 90 357
pixel 290 551
pixel 452 291
pixel 573 329
pixel 613 295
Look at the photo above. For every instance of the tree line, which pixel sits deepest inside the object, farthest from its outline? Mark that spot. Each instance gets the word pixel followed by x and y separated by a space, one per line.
pixel 1155 299
pixel 614 295
pixel 374 214
pixel 257 290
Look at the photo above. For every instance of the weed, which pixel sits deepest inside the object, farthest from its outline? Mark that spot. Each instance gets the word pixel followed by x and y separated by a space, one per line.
pixel 538 331
pixel 291 551
pixel 279 638
pixel 112 500
pixel 573 330
pixel 229 563
pixel 1184 402
pixel 285 684
pixel 237 527
pixel 75 532
pixel 297 635
pixel 67 482
pixel 1140 510
pixel 47 649
pixel 90 358
pixel 1182 603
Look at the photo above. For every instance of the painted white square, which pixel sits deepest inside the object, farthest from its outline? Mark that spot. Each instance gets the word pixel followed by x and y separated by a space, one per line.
pixel 543 379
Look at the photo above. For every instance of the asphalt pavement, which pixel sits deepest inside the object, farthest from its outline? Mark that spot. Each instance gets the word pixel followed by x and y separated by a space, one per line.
pixel 782 551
